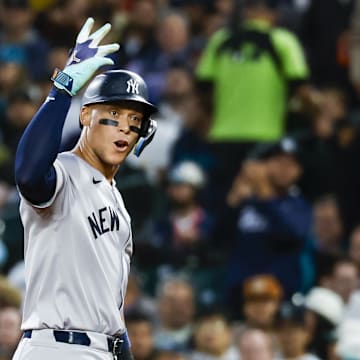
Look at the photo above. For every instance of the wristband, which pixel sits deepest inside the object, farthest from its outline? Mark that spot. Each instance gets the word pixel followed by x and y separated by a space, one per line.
pixel 62 81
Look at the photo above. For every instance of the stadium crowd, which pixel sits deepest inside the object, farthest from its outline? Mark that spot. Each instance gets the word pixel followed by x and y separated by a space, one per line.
pixel 246 206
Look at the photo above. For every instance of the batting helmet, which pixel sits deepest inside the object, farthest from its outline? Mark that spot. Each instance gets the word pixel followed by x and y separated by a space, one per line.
pixel 123 85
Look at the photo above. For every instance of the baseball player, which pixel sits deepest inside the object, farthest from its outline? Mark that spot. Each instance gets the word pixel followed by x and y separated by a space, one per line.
pixel 78 239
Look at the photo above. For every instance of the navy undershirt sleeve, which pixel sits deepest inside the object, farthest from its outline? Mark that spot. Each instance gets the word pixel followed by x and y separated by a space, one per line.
pixel 38 148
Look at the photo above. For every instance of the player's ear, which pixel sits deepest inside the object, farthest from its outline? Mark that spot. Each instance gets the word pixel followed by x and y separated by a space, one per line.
pixel 85 116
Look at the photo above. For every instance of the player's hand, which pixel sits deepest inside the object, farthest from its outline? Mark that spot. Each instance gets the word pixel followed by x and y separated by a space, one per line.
pixel 85 59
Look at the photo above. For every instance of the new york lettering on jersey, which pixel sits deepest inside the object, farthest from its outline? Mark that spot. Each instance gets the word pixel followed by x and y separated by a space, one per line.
pixel 103 220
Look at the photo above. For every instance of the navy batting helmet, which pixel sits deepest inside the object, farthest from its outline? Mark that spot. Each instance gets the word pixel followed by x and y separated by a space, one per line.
pixel 123 85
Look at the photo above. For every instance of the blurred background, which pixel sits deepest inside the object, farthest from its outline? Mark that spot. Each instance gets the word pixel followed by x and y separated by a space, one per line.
pixel 246 206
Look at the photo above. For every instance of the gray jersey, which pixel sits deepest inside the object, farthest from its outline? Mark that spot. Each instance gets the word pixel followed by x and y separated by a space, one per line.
pixel 77 253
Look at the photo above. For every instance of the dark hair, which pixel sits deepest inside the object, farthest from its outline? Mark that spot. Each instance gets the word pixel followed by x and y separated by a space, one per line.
pixel 213 311
pixel 290 313
pixel 326 198
pixel 136 316
pixel 323 336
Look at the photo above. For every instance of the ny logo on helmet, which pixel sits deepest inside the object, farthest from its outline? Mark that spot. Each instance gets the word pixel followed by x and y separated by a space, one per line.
pixel 132 86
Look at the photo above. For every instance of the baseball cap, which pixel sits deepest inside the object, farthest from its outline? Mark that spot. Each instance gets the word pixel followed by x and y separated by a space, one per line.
pixel 286 145
pixel 187 172
pixel 326 303
pixel 262 287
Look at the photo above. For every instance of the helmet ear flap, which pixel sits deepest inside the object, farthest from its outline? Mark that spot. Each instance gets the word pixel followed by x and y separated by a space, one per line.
pixel 146 137
pixel 145 126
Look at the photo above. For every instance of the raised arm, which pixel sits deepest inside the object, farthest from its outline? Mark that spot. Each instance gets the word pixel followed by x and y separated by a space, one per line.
pixel 38 148
pixel 39 145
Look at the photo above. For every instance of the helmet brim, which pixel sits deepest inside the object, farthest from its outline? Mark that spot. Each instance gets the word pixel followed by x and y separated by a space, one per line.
pixel 150 108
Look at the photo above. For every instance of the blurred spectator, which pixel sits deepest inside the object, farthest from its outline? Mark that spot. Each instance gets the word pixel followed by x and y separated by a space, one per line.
pixel 355 47
pixel 204 18
pixel 324 312
pixel 213 338
pixel 16 277
pixel 176 304
pixel 13 76
pixel 354 246
pixel 293 335
pixel 191 143
pixel 9 295
pixel 291 13
pixel 133 184
pixel 324 34
pixel 272 219
pixel 58 57
pixel 189 223
pixel 328 233
pixel 329 146
pixel 262 296
pixel 318 139
pixel 19 112
pixel 168 355
pixel 175 108
pixel 10 333
pixel 255 344
pixel 344 278
pixel 138 35
pixel 348 344
pixel 183 231
pixel 251 67
pixel 18 34
pixel 60 23
pixel 140 331
pixel 172 41
pixel 136 301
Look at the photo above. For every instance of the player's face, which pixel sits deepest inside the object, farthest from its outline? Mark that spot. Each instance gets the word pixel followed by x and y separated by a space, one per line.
pixel 112 130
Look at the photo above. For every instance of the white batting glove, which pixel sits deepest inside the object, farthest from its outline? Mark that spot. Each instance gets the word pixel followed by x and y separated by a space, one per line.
pixel 85 59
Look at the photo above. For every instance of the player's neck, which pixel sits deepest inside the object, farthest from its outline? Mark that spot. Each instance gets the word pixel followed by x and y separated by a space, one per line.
pixel 108 171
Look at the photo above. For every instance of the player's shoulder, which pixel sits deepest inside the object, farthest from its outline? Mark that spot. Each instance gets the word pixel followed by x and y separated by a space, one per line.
pixel 71 164
pixel 68 158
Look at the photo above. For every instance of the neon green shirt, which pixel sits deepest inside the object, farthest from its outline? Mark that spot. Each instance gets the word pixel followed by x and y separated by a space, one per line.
pixel 250 96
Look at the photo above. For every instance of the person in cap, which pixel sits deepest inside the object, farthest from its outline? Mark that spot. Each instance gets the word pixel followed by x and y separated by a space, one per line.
pixel 183 228
pixel 271 220
pixel 77 231
pixel 325 310
pixel 292 333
